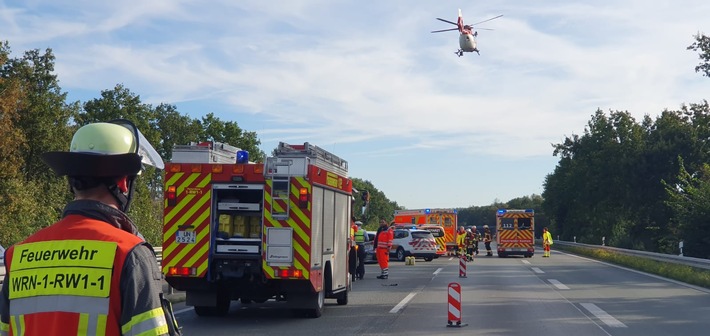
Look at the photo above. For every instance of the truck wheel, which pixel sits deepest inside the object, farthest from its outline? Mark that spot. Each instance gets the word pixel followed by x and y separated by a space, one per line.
pixel 221 309
pixel 428 259
pixel 400 254
pixel 343 298
pixel 318 299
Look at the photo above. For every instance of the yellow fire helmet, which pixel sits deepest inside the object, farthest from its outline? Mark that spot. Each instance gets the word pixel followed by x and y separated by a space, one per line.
pixel 103 149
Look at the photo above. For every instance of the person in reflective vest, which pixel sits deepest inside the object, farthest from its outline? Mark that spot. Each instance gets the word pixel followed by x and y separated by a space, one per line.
pixel 487 239
pixel 352 251
pixel 383 241
pixel 546 241
pixel 360 239
pixel 90 273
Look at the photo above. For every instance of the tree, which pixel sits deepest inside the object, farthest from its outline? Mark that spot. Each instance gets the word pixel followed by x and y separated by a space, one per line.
pixel 690 200
pixel 380 206
pixel 702 45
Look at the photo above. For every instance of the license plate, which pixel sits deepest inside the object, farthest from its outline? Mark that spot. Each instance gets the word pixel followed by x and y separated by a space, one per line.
pixel 185 237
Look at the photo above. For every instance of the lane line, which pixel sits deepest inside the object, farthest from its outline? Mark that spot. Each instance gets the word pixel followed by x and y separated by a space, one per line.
pixel 184 310
pixel 526 262
pixel 697 288
pixel 438 270
pixel 537 270
pixel 403 303
pixel 603 316
pixel 557 284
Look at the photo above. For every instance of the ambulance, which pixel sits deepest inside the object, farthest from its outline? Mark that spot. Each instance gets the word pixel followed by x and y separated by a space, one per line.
pixel 515 232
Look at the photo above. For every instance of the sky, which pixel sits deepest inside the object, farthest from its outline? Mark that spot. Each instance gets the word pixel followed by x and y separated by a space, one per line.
pixel 369 82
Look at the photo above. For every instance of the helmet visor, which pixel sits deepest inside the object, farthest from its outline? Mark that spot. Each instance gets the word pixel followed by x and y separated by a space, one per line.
pixel 147 153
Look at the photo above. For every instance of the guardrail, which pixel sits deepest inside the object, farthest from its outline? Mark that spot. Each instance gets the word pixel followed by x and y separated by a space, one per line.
pixel 669 258
pixel 158 254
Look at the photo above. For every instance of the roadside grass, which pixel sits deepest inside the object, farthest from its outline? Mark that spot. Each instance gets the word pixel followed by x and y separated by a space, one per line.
pixel 688 274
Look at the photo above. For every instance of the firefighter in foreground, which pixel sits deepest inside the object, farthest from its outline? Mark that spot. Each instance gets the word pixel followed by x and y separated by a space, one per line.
pixel 91 273
pixel 383 242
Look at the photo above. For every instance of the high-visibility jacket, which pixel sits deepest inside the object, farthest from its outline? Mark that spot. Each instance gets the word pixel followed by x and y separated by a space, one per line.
pixel 547 238
pixel 360 236
pixel 66 279
pixel 384 240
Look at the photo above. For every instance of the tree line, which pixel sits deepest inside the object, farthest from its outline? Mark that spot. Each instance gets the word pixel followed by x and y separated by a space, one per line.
pixel 35 117
pixel 640 184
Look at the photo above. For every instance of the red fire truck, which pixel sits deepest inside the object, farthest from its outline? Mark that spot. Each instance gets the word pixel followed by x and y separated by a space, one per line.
pixel 238 230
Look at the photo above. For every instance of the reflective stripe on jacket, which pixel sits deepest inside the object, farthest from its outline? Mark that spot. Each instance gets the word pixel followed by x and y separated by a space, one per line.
pixel 66 279
pixel 385 240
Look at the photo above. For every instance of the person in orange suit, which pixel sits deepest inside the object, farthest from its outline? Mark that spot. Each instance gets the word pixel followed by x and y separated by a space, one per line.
pixel 383 243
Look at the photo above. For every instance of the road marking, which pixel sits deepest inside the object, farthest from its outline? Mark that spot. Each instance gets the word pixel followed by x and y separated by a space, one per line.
pixel 526 262
pixel 558 284
pixel 537 270
pixel 437 271
pixel 184 310
pixel 603 316
pixel 403 303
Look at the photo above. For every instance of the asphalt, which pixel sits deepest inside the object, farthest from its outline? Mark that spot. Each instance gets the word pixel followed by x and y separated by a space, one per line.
pixel 173 295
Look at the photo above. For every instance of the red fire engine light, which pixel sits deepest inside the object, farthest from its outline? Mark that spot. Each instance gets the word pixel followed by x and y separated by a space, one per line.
pixel 217 169
pixel 238 169
pixel 182 271
pixel 196 168
pixel 175 168
pixel 172 195
pixel 259 169
pixel 283 273
pixel 297 273
pixel 303 198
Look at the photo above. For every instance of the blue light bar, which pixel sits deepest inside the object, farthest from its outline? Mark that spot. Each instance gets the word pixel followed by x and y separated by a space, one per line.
pixel 501 211
pixel 427 211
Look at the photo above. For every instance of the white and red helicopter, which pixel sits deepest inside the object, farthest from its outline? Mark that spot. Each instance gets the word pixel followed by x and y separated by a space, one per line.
pixel 467 39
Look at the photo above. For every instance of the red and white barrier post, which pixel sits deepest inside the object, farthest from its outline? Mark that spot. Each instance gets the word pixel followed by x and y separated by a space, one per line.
pixel 462 267
pixel 455 306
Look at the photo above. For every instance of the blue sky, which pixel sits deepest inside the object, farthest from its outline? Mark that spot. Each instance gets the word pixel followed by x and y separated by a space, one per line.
pixel 369 82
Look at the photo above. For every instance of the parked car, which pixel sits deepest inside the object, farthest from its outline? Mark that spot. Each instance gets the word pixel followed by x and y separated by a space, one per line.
pixel 417 243
pixel 370 257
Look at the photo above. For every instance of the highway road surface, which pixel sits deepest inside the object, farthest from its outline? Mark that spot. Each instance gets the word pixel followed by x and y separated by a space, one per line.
pixel 561 295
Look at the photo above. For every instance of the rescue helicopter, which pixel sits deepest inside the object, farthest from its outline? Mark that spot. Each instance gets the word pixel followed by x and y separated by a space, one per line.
pixel 467 39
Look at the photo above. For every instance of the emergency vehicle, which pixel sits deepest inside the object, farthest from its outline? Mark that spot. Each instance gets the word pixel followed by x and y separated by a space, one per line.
pixel 441 218
pixel 415 243
pixel 515 232
pixel 238 230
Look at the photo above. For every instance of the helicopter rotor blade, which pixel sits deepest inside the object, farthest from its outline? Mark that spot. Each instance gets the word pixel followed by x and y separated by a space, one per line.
pixel 493 18
pixel 484 29
pixel 447 21
pixel 443 30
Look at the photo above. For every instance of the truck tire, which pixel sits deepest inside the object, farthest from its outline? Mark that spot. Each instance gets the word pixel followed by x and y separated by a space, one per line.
pixel 342 298
pixel 400 254
pixel 317 300
pixel 428 258
pixel 222 309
